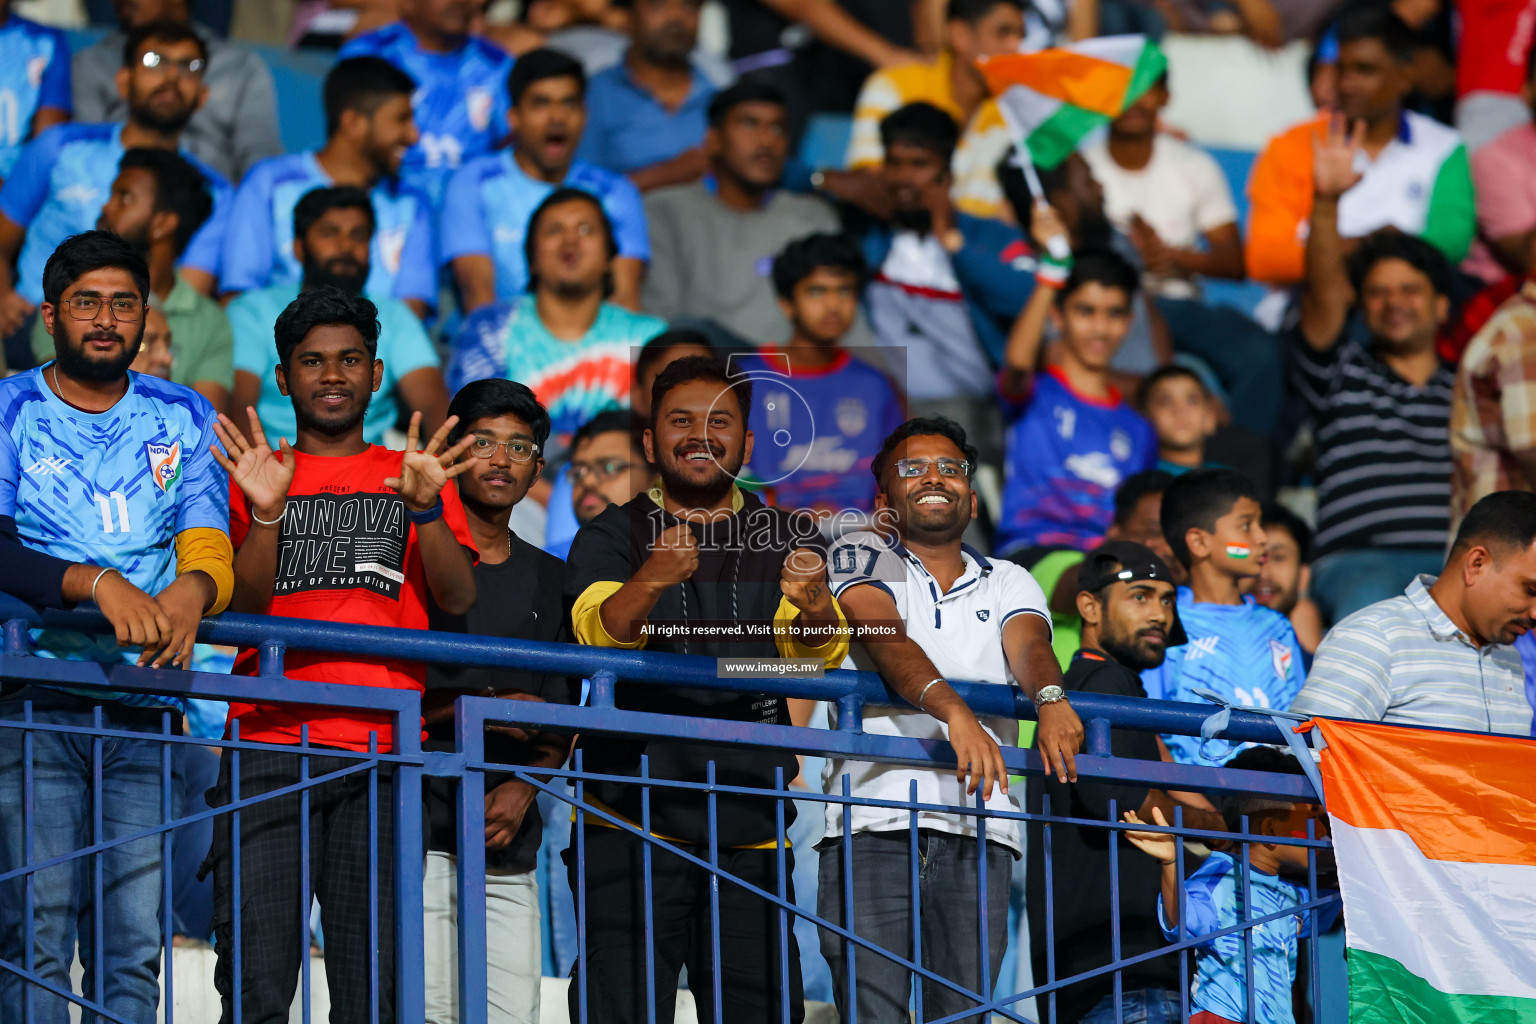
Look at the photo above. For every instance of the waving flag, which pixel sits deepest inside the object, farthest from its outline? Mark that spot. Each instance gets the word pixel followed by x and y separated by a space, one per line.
pixel 1052 99
pixel 1435 834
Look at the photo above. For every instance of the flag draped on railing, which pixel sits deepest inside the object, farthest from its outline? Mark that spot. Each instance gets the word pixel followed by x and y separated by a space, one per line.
pixel 1435 834
pixel 1052 99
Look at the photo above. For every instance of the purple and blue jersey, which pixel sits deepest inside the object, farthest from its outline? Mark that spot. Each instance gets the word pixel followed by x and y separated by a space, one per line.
pixel 460 103
pixel 1245 653
pixel 817 433
pixel 62 181
pixel 490 200
pixel 111 488
pixel 34 73
pixel 401 260
pixel 1066 456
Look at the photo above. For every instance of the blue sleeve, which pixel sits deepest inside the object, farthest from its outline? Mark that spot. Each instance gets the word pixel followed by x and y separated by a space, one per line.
pixel 479 349
pixel 1326 916
pixel 988 280
pixel 27 188
pixel 627 212
pixel 54 90
pixel 464 223
pixel 248 258
pixel 255 348
pixel 365 45
pixel 408 349
pixel 417 277
pixel 205 250
pixel 894 415
pixel 205 497
pixel 1202 904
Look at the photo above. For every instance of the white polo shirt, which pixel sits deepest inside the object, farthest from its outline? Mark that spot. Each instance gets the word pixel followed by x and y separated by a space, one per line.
pixel 961 631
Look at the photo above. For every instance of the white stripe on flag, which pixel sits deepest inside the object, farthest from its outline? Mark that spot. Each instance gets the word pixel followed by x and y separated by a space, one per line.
pixel 1468 929
pixel 1024 110
pixel 1122 50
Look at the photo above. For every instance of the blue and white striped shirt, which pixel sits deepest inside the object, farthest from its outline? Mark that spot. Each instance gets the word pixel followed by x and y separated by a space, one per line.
pixel 1404 662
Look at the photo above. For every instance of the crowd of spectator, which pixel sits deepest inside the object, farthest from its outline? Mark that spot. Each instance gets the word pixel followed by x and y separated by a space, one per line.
pixel 556 337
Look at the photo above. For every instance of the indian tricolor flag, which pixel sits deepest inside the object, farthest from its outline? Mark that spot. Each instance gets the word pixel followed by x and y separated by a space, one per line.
pixel 1435 834
pixel 1052 99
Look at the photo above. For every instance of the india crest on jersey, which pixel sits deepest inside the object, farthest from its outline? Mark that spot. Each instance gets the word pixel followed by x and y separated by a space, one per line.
pixel 1280 654
pixel 164 463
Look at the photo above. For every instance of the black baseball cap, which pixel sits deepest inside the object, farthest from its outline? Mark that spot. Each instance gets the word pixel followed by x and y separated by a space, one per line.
pixel 1124 561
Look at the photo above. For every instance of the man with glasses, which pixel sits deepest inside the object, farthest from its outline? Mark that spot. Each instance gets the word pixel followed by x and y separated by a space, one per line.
pixel 957 615
pixel 64 176
pixel 108 493
pixel 519 590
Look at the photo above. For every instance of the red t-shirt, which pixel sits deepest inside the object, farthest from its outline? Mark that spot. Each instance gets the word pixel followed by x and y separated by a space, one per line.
pixel 1495 37
pixel 347 553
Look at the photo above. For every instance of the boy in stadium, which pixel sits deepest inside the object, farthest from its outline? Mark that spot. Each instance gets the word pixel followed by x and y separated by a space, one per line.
pixel 1245 652
pixel 1073 437
pixel 1214 900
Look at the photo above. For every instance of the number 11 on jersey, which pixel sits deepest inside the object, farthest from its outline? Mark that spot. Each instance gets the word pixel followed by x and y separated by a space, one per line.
pixel 106 503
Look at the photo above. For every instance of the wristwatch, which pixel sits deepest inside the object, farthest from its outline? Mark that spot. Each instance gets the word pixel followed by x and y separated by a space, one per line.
pixel 1049 695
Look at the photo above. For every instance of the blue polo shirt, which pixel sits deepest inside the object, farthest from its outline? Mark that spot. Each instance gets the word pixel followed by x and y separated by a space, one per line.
pixel 627 129
pixel 34 72
pixel 490 200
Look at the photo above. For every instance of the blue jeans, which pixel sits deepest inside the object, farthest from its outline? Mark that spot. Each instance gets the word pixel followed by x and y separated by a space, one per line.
pixel 196 771
pixel 1347 581
pixel 62 812
pixel 1139 1006
pixel 882 914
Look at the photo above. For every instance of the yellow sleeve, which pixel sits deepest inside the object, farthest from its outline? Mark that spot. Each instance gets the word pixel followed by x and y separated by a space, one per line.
pixel 831 653
pixel 205 549
pixel 587 617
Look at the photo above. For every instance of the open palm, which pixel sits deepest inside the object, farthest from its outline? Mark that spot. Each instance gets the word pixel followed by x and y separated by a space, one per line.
pixel 262 475
pixel 1333 158
pixel 424 474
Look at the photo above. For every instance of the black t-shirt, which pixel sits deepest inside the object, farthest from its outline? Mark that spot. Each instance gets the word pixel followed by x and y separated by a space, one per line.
pixel 1080 864
pixel 517 599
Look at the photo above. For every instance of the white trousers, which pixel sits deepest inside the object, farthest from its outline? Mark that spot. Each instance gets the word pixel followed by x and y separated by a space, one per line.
pixel 512 943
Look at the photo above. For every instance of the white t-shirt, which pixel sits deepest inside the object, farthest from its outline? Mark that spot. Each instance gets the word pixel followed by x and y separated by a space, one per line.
pixel 961 631
pixel 1181 193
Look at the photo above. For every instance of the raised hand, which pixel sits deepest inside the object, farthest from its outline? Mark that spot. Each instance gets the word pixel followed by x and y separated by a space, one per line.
pixel 673 558
pixel 1333 158
pixel 1160 846
pixel 424 474
pixel 262 475
pixel 804 582
pixel 1045 224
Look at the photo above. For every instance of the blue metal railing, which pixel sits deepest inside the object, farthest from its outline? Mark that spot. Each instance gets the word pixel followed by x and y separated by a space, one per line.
pixel 851 692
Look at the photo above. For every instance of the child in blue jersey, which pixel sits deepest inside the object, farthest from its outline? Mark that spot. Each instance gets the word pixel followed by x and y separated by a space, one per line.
pixel 1072 437
pixel 1245 652
pixel 822 414
pixel 1214 898
pixel 34 83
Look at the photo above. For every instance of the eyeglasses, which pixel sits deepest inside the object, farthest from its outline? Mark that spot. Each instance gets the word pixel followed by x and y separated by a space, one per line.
pixel 517 450
pixel 160 62
pixel 907 469
pixel 600 471
pixel 86 307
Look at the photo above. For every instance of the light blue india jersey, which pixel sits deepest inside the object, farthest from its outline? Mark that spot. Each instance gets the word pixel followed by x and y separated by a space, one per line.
pixel 34 72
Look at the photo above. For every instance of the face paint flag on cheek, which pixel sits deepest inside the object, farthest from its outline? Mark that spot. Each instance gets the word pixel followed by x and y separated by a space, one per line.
pixel 1238 551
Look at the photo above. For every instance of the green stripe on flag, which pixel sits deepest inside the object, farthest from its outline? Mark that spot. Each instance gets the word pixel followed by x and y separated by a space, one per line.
pixel 1150 65
pixel 1058 138
pixel 1383 991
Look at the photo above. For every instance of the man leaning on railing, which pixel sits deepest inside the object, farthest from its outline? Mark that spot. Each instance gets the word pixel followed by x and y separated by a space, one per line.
pixel 337 529
pixel 108 493
pixel 955 615
pixel 694 566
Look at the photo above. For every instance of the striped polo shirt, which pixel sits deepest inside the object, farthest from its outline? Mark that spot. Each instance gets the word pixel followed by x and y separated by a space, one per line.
pixel 1383 449
pixel 1403 662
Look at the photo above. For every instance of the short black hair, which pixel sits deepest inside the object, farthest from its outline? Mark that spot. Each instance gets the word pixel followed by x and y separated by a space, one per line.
pixel 1196 500
pixel 1173 371
pixel 652 351
pixel 1236 806
pixel 162 32
pixel 80 254
pixel 317 202
pixel 325 307
pixel 924 426
pixel 1388 244
pixel 1277 515
pixel 804 256
pixel 540 65
pixel 180 188
pixel 1504 519
pixel 923 125
pixel 1135 487
pixel 972 11
pixel 559 197
pixel 747 91
pixel 1103 267
pixel 362 84
pixel 689 369
pixel 493 397
pixel 610 421
pixel 1380 24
